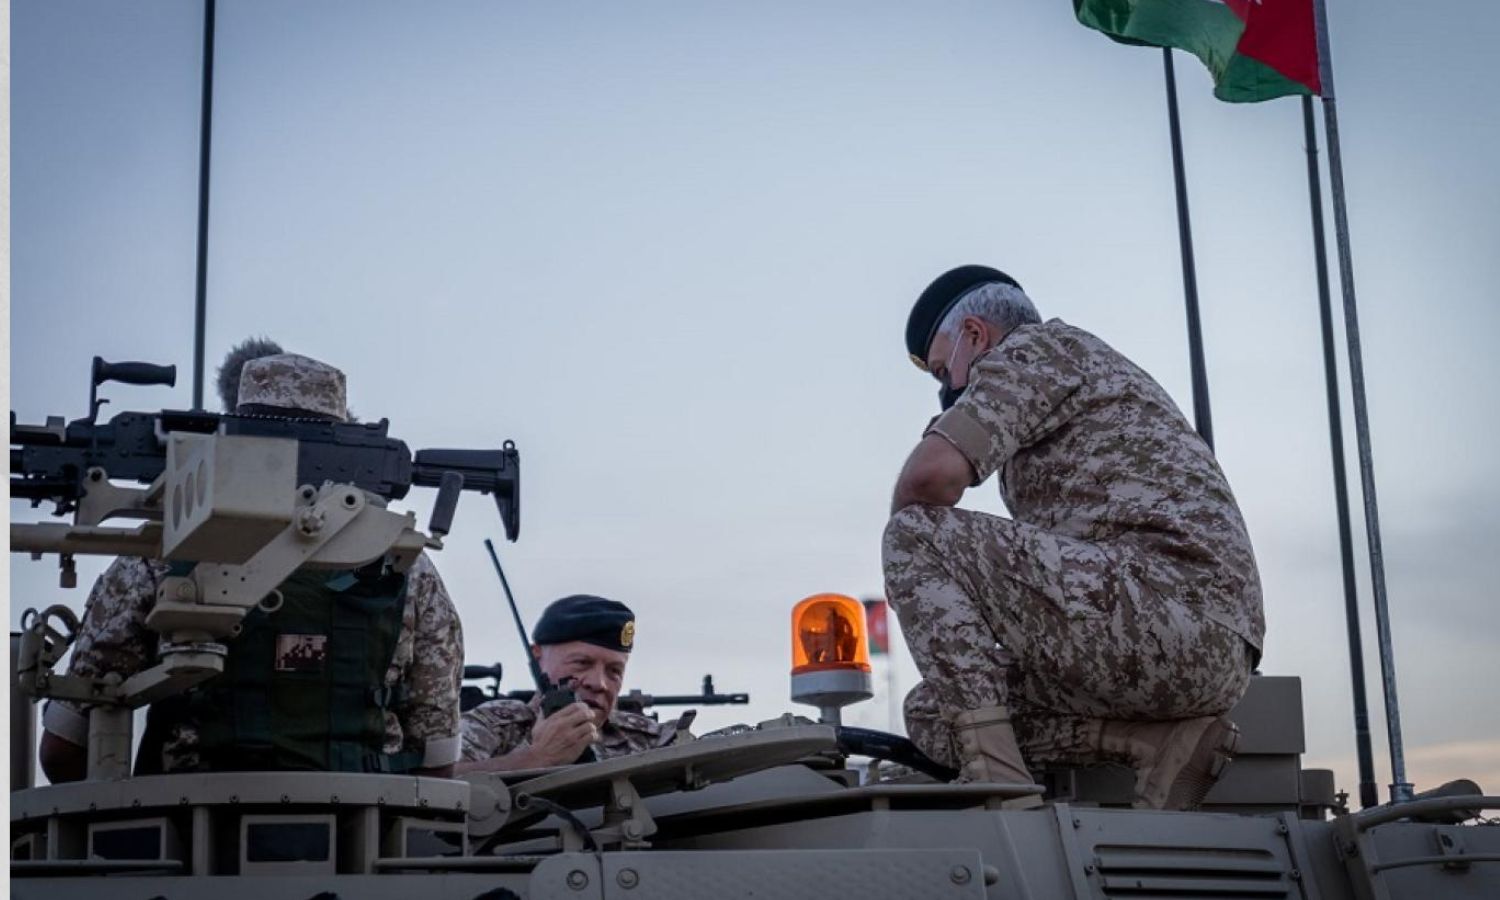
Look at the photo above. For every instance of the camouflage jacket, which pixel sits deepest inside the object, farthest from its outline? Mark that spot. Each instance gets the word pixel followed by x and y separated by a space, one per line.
pixel 1089 446
pixel 500 726
pixel 113 637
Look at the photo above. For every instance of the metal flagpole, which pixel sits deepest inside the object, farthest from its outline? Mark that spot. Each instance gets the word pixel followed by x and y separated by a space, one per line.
pixel 1202 417
pixel 1368 796
pixel 205 133
pixel 1400 788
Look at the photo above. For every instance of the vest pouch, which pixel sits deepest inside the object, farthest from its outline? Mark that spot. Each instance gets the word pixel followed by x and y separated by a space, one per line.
pixel 303 685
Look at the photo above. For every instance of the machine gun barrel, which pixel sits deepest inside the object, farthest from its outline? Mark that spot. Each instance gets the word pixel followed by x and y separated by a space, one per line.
pixel 697 699
pixel 709 697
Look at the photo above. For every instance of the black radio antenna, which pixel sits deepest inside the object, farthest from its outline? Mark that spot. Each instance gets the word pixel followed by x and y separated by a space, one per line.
pixel 541 680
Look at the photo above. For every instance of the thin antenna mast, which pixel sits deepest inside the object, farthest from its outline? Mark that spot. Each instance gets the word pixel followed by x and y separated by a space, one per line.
pixel 205 140
pixel 542 682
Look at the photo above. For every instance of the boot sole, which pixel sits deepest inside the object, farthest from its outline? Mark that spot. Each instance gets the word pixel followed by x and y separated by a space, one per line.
pixel 1210 757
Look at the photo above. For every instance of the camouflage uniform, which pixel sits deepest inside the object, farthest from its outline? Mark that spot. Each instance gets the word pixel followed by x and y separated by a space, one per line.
pixel 1124 587
pixel 113 637
pixel 500 726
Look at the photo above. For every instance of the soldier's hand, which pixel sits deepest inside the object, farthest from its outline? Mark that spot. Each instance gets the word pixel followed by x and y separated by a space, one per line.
pixel 560 738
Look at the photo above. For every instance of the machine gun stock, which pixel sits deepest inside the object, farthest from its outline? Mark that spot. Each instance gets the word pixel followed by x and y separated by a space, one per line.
pixel 496 472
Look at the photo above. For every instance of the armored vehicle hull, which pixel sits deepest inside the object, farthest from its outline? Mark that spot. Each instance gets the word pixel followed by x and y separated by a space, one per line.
pixel 771 812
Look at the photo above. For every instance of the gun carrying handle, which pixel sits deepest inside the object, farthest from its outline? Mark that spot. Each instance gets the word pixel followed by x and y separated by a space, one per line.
pixel 127 372
pixel 133 373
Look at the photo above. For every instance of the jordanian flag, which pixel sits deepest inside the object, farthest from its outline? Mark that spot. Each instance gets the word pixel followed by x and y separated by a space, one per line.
pixel 1255 49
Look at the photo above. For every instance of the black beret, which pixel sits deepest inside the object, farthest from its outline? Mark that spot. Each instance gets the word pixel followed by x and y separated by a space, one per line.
pixel 938 299
pixel 593 620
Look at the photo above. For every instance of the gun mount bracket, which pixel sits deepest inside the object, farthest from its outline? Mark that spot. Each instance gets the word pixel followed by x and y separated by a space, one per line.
pixel 339 528
pixel 626 820
pixel 42 644
pixel 182 666
pixel 102 500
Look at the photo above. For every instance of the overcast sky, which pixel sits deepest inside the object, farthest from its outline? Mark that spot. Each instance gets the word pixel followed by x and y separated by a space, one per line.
pixel 669 249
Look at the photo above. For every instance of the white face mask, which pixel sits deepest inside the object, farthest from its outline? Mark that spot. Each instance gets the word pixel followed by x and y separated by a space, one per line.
pixel 948 394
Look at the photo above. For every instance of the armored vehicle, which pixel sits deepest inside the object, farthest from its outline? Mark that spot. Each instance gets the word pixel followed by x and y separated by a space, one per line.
pixel 790 807
pixel 774 810
pixel 784 808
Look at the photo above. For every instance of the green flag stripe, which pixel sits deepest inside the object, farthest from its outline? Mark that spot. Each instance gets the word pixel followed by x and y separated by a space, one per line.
pixel 1248 80
pixel 1204 28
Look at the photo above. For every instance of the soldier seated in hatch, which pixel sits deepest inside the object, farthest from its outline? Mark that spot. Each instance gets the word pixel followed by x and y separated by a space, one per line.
pixel 584 641
pixel 355 671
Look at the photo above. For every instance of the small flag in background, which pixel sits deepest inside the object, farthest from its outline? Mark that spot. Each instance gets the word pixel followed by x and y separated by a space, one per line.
pixel 1255 49
pixel 875 624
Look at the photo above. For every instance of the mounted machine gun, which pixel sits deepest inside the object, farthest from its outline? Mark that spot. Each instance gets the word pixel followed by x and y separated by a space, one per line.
pixel 239 503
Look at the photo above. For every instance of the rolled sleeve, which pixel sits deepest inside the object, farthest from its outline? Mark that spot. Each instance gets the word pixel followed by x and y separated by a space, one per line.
pixel 967 436
pixel 429 718
pixel 440 752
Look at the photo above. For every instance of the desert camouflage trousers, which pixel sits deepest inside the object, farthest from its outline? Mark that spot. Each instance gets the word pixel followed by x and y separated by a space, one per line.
pixel 1067 633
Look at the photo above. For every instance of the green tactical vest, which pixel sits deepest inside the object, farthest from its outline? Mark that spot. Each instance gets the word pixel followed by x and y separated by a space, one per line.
pixel 303 686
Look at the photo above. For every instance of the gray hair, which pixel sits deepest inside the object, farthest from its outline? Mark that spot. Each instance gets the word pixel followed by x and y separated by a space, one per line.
pixel 228 379
pixel 1003 305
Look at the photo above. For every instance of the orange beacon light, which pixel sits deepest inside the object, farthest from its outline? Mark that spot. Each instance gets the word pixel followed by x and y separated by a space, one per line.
pixel 830 654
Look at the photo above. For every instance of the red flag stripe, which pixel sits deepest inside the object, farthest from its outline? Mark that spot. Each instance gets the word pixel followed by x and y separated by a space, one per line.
pixel 1283 35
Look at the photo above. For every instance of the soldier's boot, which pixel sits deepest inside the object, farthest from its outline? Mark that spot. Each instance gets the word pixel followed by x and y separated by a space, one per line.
pixel 1177 761
pixel 988 752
